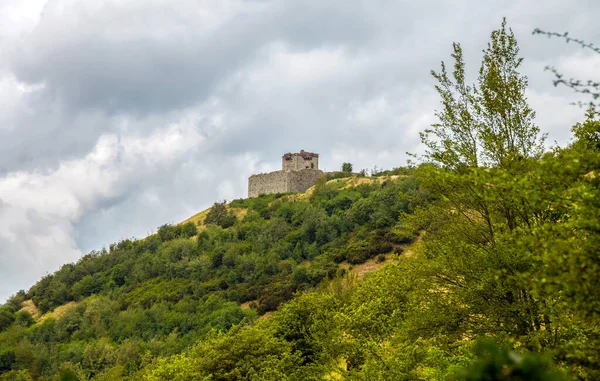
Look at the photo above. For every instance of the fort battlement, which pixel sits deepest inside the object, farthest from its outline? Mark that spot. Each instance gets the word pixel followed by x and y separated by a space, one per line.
pixel 299 172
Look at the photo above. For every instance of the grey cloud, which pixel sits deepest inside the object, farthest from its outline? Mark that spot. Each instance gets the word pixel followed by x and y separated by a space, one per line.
pixel 89 66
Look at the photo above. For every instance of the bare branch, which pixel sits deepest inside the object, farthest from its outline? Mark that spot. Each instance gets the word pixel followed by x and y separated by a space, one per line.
pixel 588 87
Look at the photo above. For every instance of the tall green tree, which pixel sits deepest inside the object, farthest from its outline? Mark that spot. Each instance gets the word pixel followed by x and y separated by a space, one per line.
pixel 488 123
pixel 485 148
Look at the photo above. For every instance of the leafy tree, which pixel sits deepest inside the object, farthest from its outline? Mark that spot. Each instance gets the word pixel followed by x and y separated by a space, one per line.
pixel 486 148
pixel 7 359
pixel 488 123
pixel 6 318
pixel 246 353
pixel 169 232
pixel 587 134
pixel 16 375
pixel 502 363
pixel 220 215
pixel 188 230
pixel 68 374
pixel 347 167
pixel 24 318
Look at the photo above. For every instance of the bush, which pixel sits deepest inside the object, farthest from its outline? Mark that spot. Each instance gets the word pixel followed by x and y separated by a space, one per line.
pixel 269 303
pixel 335 175
pixel 401 234
pixel 6 318
pixel 358 251
pixel 502 363
pixel 7 359
pixel 398 250
pixel 16 375
pixel 169 232
pixel 24 318
pixel 188 230
pixel 219 215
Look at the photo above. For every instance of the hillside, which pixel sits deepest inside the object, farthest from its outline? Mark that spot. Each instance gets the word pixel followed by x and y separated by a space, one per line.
pixel 161 294
pixel 357 292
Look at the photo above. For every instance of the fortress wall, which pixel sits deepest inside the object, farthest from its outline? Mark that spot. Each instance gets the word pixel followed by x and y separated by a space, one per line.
pixel 282 181
pixel 273 182
pixel 303 179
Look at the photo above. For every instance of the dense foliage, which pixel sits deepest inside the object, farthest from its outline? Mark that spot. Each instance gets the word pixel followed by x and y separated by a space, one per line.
pixel 502 283
pixel 157 296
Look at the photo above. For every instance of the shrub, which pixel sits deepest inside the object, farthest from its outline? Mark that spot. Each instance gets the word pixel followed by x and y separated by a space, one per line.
pixel 169 232
pixel 398 250
pixel 401 234
pixel 219 215
pixel 334 175
pixel 6 318
pixel 188 230
pixel 358 251
pixel 24 318
pixel 7 359
pixel 501 363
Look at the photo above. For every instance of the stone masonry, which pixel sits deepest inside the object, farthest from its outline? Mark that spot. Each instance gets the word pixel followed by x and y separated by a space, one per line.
pixel 299 172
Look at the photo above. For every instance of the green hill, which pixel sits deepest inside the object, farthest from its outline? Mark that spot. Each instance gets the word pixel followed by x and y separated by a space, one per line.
pixel 159 295
pixel 479 263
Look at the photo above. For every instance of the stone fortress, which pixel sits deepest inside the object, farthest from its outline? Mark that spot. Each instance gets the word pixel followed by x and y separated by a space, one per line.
pixel 299 172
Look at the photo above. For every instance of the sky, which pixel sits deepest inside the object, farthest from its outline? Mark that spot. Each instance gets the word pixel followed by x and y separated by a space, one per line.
pixel 119 116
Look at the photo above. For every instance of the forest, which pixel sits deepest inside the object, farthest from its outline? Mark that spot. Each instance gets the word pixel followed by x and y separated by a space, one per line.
pixel 485 249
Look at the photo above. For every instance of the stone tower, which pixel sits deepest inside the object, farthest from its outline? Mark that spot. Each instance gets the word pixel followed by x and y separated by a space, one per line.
pixel 300 160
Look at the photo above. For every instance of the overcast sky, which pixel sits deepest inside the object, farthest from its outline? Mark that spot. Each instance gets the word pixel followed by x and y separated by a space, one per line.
pixel 118 116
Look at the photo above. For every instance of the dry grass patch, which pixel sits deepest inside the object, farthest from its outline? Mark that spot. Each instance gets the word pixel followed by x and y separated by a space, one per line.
pixel 198 218
pixel 371 265
pixel 356 181
pixel 265 316
pixel 413 248
pixel 58 312
pixel 30 307
pixel 248 305
pixel 374 264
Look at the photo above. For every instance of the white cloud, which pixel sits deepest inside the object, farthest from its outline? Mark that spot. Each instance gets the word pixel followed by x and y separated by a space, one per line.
pixel 19 16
